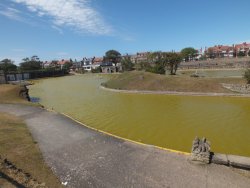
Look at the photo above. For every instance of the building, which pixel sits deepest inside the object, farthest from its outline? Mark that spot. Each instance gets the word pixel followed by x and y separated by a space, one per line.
pixel 97 61
pixel 198 54
pixel 62 63
pixel 109 67
pixel 142 56
pixel 244 48
pixel 87 64
pixel 220 51
pixel 49 64
pixel 77 65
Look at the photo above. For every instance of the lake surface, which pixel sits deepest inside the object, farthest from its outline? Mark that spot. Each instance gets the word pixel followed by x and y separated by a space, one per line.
pixel 163 120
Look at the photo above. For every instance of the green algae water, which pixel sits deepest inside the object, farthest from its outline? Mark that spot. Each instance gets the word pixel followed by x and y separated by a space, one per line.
pixel 163 120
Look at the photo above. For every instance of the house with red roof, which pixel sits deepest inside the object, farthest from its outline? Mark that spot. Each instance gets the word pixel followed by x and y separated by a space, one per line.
pixel 62 62
pixel 220 51
pixel 244 47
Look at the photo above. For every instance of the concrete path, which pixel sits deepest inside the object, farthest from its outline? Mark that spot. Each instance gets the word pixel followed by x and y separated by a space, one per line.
pixel 85 158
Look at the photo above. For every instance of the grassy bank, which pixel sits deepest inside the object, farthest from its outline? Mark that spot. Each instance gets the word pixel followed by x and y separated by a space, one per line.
pixel 182 83
pixel 10 94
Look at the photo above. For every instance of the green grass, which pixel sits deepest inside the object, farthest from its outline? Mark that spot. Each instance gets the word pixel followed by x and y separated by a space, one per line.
pixel 182 83
pixel 17 145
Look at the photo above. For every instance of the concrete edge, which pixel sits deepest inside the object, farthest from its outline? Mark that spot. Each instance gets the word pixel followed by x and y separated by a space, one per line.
pixel 175 93
pixel 231 160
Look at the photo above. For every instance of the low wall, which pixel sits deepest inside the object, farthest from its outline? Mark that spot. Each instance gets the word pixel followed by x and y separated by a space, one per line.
pixel 217 63
pixel 17 76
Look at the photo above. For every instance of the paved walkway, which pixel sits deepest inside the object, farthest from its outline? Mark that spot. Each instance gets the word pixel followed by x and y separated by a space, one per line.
pixel 85 158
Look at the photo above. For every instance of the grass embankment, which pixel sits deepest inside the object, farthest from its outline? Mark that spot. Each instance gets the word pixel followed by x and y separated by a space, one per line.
pixel 180 83
pixel 17 145
pixel 10 94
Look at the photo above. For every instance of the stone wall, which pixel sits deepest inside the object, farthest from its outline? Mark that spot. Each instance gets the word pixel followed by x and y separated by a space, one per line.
pixel 222 63
pixel 240 88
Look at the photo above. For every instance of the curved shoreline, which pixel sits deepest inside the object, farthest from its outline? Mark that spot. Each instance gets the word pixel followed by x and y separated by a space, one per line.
pixel 178 93
pixel 122 138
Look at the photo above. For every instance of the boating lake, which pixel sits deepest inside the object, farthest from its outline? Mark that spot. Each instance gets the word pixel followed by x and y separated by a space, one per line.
pixel 163 120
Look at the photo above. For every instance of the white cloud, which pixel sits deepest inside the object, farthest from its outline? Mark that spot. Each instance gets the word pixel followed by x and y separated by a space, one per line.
pixel 11 13
pixel 77 14
pixel 57 29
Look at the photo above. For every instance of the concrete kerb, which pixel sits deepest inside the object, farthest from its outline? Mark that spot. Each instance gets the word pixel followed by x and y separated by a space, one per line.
pixel 231 160
pixel 175 93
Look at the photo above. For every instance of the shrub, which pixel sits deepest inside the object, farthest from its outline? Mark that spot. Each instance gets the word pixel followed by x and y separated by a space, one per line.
pixel 241 54
pixel 158 69
pixel 97 70
pixel 247 75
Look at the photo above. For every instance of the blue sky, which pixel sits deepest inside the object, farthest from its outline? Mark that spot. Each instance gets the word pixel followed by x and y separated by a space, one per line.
pixel 62 29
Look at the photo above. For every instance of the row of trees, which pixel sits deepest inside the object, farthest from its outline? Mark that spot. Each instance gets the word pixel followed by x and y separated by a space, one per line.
pixel 28 64
pixel 157 62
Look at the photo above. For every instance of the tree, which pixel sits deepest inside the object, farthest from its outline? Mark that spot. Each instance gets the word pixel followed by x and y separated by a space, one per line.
pixel 7 65
pixel 247 75
pixel 188 53
pixel 32 63
pixel 172 60
pixel 241 54
pixel 127 64
pixel 161 60
pixel 112 56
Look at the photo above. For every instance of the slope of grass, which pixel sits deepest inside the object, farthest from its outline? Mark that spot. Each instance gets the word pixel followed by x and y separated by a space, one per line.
pixel 17 145
pixel 182 83
pixel 10 94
